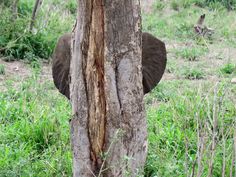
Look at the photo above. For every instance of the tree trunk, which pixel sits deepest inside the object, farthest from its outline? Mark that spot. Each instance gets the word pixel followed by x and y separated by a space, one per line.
pixel 37 4
pixel 108 128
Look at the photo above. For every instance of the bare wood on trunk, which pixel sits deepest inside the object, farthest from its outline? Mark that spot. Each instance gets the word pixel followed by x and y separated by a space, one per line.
pixel 106 90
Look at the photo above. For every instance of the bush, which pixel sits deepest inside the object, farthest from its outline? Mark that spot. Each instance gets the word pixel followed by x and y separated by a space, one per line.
pixel 174 5
pixel 229 68
pixel 72 6
pixel 17 42
pixel 212 4
pixel 229 4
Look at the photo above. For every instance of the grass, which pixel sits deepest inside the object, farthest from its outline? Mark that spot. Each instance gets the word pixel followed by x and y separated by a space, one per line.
pixel 191 53
pixel 183 112
pixel 174 5
pixel 2 69
pixel 34 130
pixel 174 125
pixel 228 68
pixel 193 73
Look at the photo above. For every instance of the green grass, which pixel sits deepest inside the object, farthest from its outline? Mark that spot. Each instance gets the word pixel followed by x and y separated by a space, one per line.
pixel 228 68
pixel 2 69
pixel 34 117
pixel 193 73
pixel 191 53
pixel 174 5
pixel 173 126
pixel 34 130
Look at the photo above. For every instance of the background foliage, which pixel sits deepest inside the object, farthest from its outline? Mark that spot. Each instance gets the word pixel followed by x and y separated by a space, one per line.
pixel 53 19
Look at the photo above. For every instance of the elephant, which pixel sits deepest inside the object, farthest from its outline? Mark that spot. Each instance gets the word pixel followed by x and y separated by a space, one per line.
pixel 154 60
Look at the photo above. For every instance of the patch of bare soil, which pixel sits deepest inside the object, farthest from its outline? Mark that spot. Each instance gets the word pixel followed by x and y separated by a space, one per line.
pixel 22 70
pixel 146 5
pixel 46 72
pixel 18 71
pixel 14 69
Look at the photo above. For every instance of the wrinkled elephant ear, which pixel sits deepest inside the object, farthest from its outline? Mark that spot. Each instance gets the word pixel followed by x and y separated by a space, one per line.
pixel 153 61
pixel 61 65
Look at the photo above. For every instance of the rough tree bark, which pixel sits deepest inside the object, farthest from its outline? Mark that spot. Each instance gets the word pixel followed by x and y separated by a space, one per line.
pixel 108 128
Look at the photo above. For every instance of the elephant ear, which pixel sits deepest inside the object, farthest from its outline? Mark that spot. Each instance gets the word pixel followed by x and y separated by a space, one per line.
pixel 61 65
pixel 153 61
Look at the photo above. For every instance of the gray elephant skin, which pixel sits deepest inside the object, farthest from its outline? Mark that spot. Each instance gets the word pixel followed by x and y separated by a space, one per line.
pixel 153 62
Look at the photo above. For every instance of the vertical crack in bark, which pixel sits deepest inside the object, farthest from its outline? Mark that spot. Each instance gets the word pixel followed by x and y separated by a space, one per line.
pixel 117 89
pixel 95 85
pixel 84 66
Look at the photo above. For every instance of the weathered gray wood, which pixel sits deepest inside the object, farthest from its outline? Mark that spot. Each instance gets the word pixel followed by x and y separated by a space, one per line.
pixel 125 110
pixel 108 128
pixel 79 123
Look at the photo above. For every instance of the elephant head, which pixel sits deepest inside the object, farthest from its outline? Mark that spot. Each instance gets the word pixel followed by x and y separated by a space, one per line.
pixel 153 62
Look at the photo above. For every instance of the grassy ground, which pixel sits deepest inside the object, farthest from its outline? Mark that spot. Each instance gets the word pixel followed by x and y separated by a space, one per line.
pixel 191 114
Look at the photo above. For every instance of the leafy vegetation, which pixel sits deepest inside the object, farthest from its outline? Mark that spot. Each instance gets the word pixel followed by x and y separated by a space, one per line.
pixel 191 122
pixel 18 42
pixel 2 69
pixel 174 129
pixel 34 130
pixel 228 68
pixel 212 4
pixel 191 54
pixel 193 73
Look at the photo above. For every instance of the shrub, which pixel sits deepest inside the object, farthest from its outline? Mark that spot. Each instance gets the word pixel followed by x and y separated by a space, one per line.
pixel 212 4
pixel 174 5
pixel 229 4
pixel 17 42
pixel 71 6
pixel 228 68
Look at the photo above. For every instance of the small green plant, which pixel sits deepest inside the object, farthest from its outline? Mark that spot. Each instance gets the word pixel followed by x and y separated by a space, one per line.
pixel 185 3
pixel 184 29
pixel 228 68
pixel 170 67
pixel 193 73
pixel 159 5
pixel 191 54
pixel 174 5
pixel 72 6
pixel 2 69
pixel 199 3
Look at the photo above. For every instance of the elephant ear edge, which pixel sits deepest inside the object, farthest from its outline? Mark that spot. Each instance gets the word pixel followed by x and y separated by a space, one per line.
pixel 61 64
pixel 154 58
pixel 153 62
